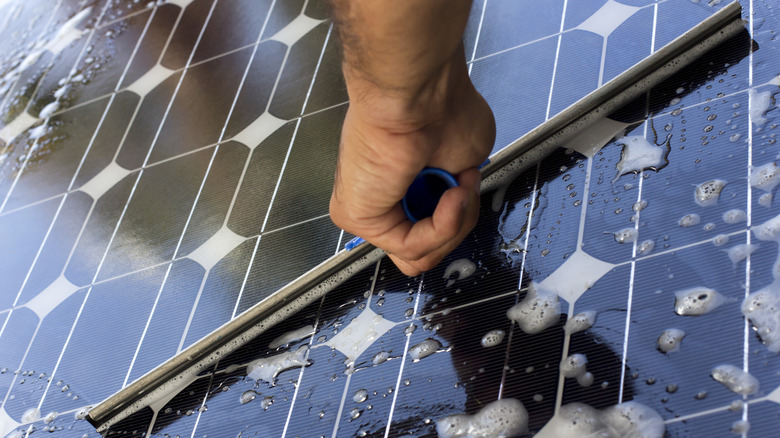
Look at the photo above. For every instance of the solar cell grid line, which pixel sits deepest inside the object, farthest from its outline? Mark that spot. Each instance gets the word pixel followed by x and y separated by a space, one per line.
pixel 86 297
pixel 638 213
pixel 197 197
pixel 476 38
pixel 238 189
pixel 71 73
pixel 403 358
pixel 749 208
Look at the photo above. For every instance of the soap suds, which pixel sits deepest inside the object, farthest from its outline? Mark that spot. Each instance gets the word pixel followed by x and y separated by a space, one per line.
pixel 624 420
pixel 735 379
pixel 574 366
pixel 740 252
pixel 734 216
pixel 759 105
pixel 638 155
pixel 464 268
pixel 762 308
pixel 501 418
pixel 293 335
pixel 646 247
pixel 720 239
pixel 424 349
pixel 765 177
pixel 689 220
pixel 267 368
pixel 580 322
pixel 697 301
pixel 669 341
pixel 493 338
pixel 707 193
pixel 538 310
pixel 765 200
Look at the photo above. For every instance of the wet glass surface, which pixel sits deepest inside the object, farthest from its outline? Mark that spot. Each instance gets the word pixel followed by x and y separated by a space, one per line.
pixel 167 165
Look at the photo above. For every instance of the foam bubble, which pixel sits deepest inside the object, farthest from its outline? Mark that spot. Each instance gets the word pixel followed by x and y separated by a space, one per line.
pixel 707 193
pixel 646 247
pixel 669 341
pixel 493 338
pixel 697 301
pixel 424 349
pixel 580 322
pixel 574 365
pixel 765 177
pixel 740 427
pixel 585 379
pixel 267 368
pixel 762 308
pixel 720 240
pixel 689 220
pixel 740 252
pixel 538 310
pixel 759 105
pixel 464 268
pixel 735 379
pixel 734 216
pixel 505 417
pixel 626 235
pixel 769 230
pixel 31 415
pixel 765 200
pixel 625 420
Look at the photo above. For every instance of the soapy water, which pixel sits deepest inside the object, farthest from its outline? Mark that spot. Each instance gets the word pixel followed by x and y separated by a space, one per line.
pixel 689 220
pixel 539 310
pixel 493 338
pixel 424 349
pixel 624 420
pixel 740 252
pixel 464 267
pixel 574 365
pixel 735 379
pixel 645 247
pixel 697 301
pixel 762 309
pixel 268 368
pixel 639 155
pixel 580 322
pixel 734 216
pixel 669 341
pixel 765 177
pixel 501 418
pixel 626 235
pixel 707 193
pixel 291 336
pixel 759 105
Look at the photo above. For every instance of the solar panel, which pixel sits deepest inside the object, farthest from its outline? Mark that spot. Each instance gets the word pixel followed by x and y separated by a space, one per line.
pixel 167 165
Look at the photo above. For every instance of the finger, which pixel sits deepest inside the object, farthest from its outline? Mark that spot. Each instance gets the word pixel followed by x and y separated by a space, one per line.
pixel 403 266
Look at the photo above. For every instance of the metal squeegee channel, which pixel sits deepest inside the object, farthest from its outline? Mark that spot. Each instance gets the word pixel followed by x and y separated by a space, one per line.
pixel 504 167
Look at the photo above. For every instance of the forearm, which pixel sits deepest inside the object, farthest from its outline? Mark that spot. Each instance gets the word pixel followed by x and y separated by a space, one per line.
pixel 402 57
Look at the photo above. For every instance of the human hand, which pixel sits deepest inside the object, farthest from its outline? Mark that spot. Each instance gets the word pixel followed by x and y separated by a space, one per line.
pixel 387 139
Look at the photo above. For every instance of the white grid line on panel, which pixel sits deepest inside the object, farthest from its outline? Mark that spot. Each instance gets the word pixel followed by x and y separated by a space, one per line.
pixel 197 198
pixel 534 194
pixel 476 37
pixel 351 369
pixel 555 64
pixel 637 216
pixel 749 201
pixel 124 210
pixel 403 358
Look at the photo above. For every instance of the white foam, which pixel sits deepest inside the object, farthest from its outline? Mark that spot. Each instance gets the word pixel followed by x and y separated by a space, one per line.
pixel 697 301
pixel 539 310
pixel 734 216
pixel 267 368
pixel 580 322
pixel 707 193
pixel 501 418
pixel 735 379
pixel 638 154
pixel 360 334
pixel 759 105
pixel 574 365
pixel 689 220
pixel 464 267
pixel 765 200
pixel 765 177
pixel 585 379
pixel 493 338
pixel 769 230
pixel 626 235
pixel 625 420
pixel 424 349
pixel 49 109
pixel 31 415
pixel 740 427
pixel 68 33
pixel 645 247
pixel 292 335
pixel 762 308
pixel 720 239
pixel 669 341
pixel 740 252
